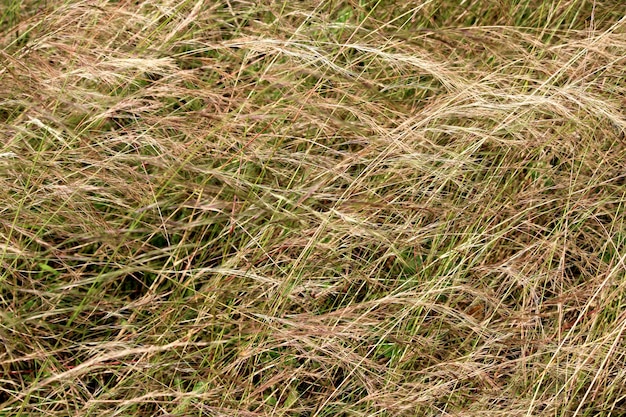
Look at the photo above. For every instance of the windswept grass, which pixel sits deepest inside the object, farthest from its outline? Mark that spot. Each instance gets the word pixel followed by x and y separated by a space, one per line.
pixel 331 208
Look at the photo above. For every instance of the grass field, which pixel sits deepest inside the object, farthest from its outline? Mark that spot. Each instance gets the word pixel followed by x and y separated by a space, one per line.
pixel 313 208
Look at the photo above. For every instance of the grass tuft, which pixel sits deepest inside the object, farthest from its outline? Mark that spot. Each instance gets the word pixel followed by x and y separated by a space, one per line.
pixel 312 208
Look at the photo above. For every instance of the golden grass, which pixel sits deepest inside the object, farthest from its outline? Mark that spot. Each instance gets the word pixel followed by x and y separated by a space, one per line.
pixel 312 208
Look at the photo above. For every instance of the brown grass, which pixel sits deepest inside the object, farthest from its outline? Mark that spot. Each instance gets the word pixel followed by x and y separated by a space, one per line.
pixel 312 208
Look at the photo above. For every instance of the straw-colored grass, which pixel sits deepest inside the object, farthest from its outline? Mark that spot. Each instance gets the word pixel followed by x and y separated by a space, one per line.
pixel 313 208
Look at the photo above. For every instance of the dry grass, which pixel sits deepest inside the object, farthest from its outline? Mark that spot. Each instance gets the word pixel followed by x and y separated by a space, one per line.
pixel 313 208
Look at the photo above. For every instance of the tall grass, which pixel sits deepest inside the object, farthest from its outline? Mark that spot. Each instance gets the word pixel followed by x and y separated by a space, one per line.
pixel 331 208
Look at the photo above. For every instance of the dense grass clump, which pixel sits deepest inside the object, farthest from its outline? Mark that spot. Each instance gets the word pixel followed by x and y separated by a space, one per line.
pixel 313 208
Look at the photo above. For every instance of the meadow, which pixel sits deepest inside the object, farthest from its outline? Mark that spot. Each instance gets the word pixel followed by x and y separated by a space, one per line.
pixel 313 208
